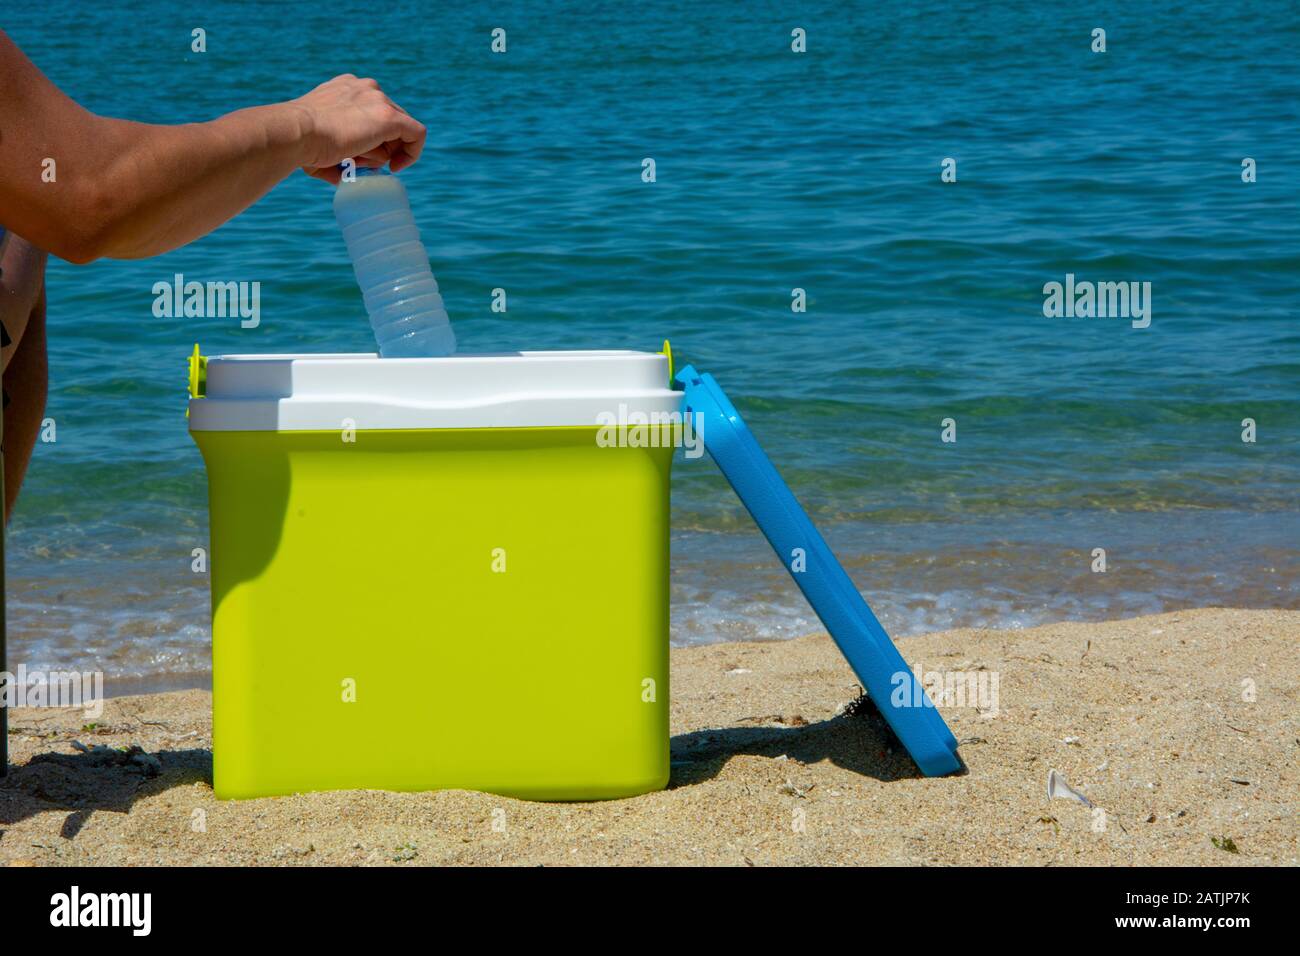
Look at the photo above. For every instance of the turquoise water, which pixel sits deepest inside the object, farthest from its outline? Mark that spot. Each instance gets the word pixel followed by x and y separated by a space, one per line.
pixel 774 171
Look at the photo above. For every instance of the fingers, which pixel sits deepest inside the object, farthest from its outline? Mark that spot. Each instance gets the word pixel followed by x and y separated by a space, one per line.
pixel 413 135
pixel 398 157
pixel 399 162
pixel 354 117
pixel 407 148
pixel 329 174
pixel 409 138
pixel 404 136
pixel 374 158
pixel 405 143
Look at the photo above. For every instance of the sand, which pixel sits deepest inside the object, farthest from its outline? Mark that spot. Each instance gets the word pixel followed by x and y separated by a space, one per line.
pixel 1149 718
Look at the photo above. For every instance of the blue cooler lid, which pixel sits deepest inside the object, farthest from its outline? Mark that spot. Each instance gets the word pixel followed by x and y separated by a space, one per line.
pixel 823 581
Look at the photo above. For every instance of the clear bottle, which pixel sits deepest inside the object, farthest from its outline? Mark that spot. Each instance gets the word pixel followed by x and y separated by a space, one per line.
pixel 392 267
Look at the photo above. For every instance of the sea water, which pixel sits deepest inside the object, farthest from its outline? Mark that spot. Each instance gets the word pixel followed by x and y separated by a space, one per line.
pixel 775 170
pixel 392 266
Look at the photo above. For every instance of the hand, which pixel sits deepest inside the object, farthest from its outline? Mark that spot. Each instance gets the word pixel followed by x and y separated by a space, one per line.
pixel 351 118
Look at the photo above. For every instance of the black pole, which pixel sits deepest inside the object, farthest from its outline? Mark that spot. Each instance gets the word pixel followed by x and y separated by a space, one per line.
pixel 4 666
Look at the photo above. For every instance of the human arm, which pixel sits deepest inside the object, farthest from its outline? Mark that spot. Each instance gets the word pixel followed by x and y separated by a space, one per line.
pixel 127 190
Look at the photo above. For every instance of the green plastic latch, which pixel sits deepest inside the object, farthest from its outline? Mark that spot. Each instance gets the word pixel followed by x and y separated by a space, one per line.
pixel 667 351
pixel 198 375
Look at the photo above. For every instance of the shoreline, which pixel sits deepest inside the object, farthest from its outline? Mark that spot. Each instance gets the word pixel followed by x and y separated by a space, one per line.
pixel 1180 727
pixel 1010 570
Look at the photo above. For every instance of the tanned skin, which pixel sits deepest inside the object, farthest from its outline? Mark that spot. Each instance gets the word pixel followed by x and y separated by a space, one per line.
pixel 127 190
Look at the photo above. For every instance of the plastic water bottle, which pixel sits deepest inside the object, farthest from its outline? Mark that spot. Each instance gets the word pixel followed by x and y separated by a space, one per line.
pixel 392 268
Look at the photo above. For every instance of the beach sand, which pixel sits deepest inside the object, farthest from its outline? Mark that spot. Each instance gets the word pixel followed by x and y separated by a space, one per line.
pixel 1153 719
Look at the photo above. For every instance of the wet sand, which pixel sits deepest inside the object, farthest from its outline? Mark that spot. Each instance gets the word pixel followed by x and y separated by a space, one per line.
pixel 1181 728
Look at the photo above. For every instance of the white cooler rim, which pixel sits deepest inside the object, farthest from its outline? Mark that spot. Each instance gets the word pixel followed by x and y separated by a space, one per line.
pixel 326 392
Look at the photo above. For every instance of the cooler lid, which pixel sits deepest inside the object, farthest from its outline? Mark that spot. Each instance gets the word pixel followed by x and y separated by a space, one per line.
pixel 823 581
pixel 497 390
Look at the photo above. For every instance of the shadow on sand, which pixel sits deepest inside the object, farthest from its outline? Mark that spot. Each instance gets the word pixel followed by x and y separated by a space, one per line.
pixel 102 778
pixel 111 779
pixel 858 740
